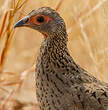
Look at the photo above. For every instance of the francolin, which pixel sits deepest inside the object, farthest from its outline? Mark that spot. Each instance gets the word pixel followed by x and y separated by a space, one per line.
pixel 60 83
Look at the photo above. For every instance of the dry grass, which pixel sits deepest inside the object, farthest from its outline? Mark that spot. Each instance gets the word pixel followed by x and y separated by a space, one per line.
pixel 87 24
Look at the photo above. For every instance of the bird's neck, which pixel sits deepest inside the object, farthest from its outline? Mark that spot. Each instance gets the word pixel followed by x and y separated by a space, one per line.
pixel 54 50
pixel 55 43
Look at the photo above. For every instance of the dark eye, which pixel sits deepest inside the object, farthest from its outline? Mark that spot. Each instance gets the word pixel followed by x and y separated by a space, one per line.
pixel 40 19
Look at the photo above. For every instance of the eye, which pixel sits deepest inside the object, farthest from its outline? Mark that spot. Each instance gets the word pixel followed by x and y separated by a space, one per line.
pixel 40 19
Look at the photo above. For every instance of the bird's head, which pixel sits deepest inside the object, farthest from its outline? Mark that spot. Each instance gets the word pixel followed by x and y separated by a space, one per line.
pixel 45 20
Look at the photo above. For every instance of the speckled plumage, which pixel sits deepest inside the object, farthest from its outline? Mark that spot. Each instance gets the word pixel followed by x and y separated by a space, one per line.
pixel 60 83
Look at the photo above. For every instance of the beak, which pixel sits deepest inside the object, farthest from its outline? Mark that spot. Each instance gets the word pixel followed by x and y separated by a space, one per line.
pixel 22 22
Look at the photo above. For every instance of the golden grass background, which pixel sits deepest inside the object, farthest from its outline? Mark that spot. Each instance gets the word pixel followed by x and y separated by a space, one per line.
pixel 87 27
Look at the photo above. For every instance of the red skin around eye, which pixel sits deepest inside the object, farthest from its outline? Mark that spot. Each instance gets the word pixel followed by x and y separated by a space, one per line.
pixel 33 20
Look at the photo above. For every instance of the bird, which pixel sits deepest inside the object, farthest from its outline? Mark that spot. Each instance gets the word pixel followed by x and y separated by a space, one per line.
pixel 61 84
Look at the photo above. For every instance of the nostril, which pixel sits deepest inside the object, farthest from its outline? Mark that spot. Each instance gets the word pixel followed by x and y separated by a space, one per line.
pixel 22 22
pixel 25 20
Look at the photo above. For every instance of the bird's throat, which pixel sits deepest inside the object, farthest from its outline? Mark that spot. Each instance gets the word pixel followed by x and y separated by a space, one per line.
pixel 45 36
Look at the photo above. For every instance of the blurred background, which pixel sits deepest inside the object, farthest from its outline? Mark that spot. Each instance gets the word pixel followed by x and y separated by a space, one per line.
pixel 87 27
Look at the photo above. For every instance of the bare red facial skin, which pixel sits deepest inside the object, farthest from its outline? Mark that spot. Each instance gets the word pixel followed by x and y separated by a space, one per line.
pixel 33 20
pixel 44 35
